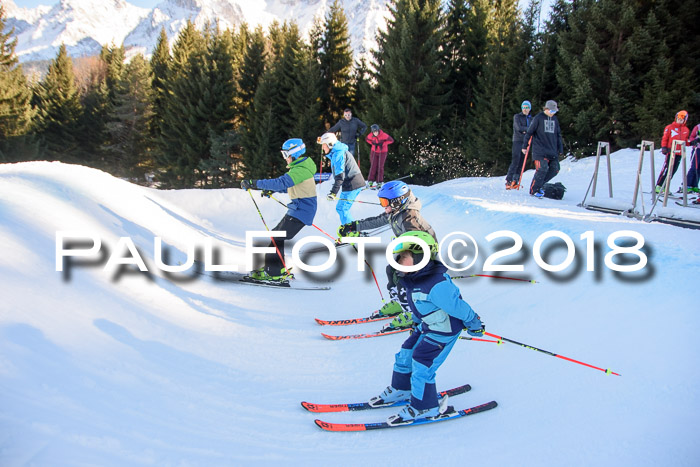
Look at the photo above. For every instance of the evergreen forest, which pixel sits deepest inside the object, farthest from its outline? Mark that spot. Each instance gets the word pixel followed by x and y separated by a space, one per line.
pixel 444 82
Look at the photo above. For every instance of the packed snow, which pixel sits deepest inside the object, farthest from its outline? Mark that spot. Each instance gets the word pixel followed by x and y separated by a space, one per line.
pixel 102 365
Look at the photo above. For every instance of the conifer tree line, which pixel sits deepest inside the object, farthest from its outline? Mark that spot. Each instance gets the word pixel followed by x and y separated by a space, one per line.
pixel 444 81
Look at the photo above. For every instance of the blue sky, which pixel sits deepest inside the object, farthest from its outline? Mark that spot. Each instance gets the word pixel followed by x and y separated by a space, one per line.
pixel 35 3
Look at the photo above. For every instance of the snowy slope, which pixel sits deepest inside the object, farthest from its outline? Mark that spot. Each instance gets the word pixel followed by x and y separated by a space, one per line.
pixel 86 25
pixel 131 369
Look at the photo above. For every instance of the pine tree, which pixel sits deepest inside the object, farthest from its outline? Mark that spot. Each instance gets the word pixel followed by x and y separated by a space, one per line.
pixel 464 49
pixel 335 57
pixel 160 71
pixel 128 152
pixel 59 109
pixel 271 117
pixel 409 96
pixel 305 103
pixel 252 69
pixel 16 112
pixel 492 129
pixel 184 130
pixel 219 109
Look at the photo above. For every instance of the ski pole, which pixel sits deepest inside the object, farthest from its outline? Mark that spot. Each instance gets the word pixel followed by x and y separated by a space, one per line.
pixel 268 229
pixel 358 201
pixel 480 340
pixel 405 176
pixel 524 161
pixel 495 277
pixel 606 371
pixel 335 240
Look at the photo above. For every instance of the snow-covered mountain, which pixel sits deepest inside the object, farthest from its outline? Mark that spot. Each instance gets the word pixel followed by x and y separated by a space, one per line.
pixel 86 25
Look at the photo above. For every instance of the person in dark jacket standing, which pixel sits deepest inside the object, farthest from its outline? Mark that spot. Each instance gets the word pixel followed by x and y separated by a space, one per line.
pixel 350 128
pixel 520 123
pixel 380 142
pixel 546 146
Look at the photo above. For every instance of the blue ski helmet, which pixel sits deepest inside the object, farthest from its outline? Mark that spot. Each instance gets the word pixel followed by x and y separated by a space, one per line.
pixel 394 194
pixel 293 148
pixel 526 105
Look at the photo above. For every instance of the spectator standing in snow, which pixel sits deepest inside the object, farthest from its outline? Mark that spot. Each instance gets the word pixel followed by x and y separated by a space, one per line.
pixel 546 146
pixel 380 141
pixel 676 131
pixel 521 121
pixel 351 128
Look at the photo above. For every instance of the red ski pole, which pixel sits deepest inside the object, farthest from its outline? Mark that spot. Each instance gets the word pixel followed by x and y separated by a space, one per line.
pixel 527 151
pixel 604 370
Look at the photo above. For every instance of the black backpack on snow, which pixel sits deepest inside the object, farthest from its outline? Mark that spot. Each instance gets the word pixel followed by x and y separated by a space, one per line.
pixel 554 190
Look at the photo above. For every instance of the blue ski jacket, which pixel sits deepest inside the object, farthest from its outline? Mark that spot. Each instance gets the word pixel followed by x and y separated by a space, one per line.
pixel 299 183
pixel 436 302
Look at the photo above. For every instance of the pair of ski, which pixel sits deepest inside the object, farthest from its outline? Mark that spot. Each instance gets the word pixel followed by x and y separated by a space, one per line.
pixel 243 278
pixel 370 319
pixel 449 414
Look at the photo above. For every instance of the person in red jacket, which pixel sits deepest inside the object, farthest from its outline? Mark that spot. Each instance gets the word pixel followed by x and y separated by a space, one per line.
pixel 380 142
pixel 675 131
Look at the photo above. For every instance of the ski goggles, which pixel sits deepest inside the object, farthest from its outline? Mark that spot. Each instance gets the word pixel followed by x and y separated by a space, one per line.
pixel 286 154
pixel 384 202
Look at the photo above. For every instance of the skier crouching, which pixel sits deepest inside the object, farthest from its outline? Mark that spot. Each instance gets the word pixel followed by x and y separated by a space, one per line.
pixel 439 315
pixel 299 183
pixel 402 213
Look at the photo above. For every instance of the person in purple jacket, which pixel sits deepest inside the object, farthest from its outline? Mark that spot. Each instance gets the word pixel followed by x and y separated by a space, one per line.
pixel 380 141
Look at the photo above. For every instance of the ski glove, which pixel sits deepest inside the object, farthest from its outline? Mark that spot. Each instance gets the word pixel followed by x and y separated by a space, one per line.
pixel 345 229
pixel 248 184
pixel 332 196
pixel 665 151
pixel 266 193
pixel 475 327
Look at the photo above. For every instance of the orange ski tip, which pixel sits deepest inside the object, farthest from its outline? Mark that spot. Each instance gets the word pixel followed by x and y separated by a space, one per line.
pixel 340 426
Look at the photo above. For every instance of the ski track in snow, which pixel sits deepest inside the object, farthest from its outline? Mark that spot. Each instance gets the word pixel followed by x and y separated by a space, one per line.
pixel 136 369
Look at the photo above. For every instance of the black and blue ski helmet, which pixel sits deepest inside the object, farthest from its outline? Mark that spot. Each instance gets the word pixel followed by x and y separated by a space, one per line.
pixel 394 194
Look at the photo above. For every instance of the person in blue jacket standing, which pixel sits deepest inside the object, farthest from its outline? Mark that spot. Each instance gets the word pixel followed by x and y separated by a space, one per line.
pixel 521 121
pixel 439 315
pixel 299 183
pixel 346 173
pixel 546 146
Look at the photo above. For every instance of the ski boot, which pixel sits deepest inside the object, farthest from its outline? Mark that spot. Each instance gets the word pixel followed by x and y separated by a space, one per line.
pixel 391 308
pixel 402 321
pixel 410 414
pixel 389 396
pixel 271 277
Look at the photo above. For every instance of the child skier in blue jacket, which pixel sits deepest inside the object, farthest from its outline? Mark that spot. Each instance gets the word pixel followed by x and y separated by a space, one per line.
pixel 439 315
pixel 299 183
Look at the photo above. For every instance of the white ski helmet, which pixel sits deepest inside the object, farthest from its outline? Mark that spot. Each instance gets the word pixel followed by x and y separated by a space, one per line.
pixel 327 138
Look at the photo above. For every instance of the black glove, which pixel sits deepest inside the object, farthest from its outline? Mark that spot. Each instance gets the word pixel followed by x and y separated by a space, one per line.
pixel 248 184
pixel 695 141
pixel 475 327
pixel 665 151
pixel 345 229
pixel 266 193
